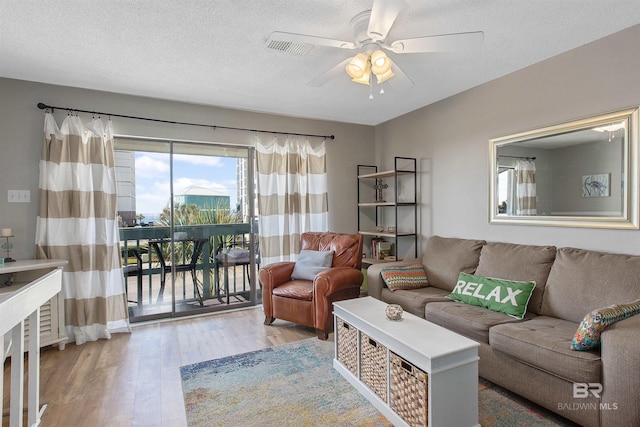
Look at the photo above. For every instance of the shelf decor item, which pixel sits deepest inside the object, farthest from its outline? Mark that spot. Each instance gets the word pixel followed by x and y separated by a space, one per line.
pixel 393 312
pixel 380 185
pixel 7 246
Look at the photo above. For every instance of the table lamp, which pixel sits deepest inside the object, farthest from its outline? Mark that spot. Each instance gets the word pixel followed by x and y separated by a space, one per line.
pixel 7 246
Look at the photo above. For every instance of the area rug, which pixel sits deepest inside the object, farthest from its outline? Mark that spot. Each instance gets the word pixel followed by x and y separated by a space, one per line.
pixel 295 385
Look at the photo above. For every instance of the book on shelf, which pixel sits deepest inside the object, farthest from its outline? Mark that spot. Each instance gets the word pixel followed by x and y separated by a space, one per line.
pixel 374 247
pixel 380 248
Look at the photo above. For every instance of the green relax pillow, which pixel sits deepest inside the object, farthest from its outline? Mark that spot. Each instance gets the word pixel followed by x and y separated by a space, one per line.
pixel 504 296
pixel 406 277
pixel 587 336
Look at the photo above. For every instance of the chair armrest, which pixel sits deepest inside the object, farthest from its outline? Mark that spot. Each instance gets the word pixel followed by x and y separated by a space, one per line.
pixel 335 284
pixel 375 284
pixel 620 353
pixel 336 279
pixel 273 275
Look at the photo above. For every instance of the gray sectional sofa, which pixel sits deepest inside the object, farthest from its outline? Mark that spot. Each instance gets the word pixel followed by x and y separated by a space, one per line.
pixel 532 357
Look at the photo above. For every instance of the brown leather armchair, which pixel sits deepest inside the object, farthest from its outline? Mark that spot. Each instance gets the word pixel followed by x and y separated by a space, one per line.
pixel 310 303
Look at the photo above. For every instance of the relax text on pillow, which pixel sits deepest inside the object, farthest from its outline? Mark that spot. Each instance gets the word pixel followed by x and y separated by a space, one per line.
pixel 505 296
pixel 473 290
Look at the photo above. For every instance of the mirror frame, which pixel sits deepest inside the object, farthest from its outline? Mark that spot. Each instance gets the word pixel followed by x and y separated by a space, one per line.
pixel 629 217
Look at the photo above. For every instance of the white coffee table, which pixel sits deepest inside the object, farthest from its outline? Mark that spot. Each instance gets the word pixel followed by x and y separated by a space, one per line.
pixel 449 359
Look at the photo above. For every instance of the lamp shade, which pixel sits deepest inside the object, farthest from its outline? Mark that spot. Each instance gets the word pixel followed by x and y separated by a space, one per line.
pixel 357 66
pixel 384 77
pixel 380 62
pixel 366 75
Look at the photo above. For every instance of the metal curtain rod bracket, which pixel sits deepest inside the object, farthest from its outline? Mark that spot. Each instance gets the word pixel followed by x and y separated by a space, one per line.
pixel 43 106
pixel 517 157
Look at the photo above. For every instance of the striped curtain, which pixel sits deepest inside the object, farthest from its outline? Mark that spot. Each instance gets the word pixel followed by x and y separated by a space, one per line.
pixel 525 188
pixel 292 195
pixel 77 222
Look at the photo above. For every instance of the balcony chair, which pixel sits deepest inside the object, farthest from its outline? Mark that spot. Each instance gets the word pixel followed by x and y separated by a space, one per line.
pixel 191 264
pixel 232 256
pixel 130 270
pixel 310 302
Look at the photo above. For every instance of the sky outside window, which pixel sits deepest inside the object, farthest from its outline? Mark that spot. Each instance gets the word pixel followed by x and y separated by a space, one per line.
pixel 153 173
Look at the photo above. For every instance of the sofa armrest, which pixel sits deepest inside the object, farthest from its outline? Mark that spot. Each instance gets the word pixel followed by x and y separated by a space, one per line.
pixel 620 352
pixel 375 284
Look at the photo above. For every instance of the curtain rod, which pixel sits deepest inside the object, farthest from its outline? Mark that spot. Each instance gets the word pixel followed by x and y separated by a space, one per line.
pixel 43 106
pixel 517 157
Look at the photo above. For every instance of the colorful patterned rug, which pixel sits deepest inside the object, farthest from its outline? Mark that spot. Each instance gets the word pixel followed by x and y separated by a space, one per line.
pixel 296 385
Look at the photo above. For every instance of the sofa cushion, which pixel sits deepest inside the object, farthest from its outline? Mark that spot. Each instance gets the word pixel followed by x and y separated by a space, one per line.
pixel 587 337
pixel 504 296
pixel 468 320
pixel 518 262
pixel 445 257
pixel 413 301
pixel 545 342
pixel 404 277
pixel 581 281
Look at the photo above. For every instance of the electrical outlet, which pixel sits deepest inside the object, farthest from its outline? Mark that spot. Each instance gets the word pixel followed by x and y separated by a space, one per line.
pixel 19 196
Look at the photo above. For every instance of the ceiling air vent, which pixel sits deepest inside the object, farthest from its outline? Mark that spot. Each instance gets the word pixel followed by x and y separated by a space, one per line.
pixel 293 48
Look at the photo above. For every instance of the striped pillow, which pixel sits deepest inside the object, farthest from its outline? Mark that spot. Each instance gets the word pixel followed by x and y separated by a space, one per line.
pixel 587 336
pixel 406 277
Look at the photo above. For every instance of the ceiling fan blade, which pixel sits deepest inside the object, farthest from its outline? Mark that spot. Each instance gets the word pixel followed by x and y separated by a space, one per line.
pixel 294 43
pixel 383 15
pixel 400 81
pixel 442 43
pixel 330 74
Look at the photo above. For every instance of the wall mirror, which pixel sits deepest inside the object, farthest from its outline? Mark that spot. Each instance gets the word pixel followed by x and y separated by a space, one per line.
pixel 577 174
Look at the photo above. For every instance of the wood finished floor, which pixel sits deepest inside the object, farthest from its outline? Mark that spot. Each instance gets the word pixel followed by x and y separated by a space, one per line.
pixel 134 379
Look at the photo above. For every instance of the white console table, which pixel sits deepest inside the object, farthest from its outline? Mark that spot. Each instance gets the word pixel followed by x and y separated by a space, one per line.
pixel 18 305
pixel 23 272
pixel 449 360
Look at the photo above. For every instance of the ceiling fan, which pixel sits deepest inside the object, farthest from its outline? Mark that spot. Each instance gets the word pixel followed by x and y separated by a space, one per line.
pixel 370 29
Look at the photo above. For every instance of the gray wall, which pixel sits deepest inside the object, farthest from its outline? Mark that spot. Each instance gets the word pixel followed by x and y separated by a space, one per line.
pixel 451 137
pixel 21 134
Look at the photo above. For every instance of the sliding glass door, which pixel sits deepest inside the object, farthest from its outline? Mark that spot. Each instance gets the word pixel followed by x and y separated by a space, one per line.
pixel 188 231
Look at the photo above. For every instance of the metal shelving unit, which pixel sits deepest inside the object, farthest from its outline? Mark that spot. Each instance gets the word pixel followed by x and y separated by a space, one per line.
pixel 404 174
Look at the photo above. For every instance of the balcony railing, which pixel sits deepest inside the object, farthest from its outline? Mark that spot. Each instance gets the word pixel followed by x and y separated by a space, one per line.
pixel 219 278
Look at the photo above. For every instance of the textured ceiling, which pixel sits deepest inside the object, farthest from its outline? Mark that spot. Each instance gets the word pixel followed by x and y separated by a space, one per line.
pixel 213 52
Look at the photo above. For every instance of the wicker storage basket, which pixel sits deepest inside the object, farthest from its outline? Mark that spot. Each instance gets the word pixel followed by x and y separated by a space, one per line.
pixel 409 391
pixel 347 336
pixel 373 366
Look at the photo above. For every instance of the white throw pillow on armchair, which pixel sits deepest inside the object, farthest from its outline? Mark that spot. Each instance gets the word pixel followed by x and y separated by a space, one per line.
pixel 310 263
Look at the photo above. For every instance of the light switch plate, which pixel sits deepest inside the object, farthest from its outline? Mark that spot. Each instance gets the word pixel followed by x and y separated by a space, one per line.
pixel 19 196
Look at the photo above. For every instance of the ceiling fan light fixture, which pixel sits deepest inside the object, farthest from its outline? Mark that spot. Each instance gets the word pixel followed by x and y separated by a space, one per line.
pixel 357 66
pixel 384 77
pixel 380 62
pixel 365 77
